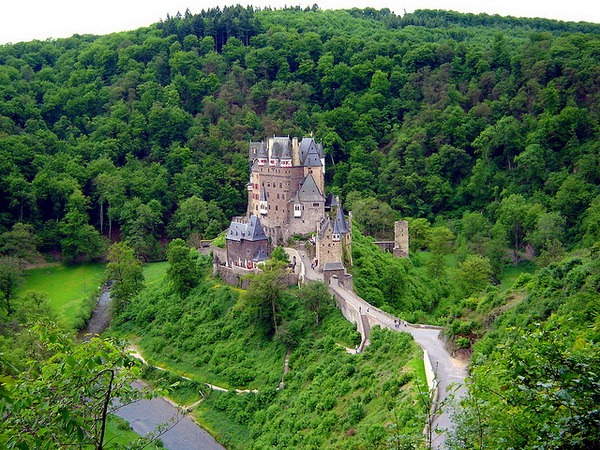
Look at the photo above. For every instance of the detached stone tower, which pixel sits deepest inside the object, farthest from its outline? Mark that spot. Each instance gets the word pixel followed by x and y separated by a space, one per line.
pixel 401 239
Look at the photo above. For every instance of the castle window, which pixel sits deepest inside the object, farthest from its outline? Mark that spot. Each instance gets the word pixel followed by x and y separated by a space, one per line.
pixel 280 185
pixel 315 204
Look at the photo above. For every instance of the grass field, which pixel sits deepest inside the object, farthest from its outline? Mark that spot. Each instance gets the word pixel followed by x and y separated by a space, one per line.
pixel 511 273
pixel 66 288
pixel 154 272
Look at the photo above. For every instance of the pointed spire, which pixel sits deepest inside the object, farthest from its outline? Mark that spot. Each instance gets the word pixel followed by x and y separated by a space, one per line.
pixel 340 226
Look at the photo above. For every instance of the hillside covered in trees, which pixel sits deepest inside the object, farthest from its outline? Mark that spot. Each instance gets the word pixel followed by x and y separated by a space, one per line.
pixel 482 131
pixel 143 135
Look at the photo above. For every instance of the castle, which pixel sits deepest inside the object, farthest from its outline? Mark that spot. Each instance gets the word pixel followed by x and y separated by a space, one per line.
pixel 286 198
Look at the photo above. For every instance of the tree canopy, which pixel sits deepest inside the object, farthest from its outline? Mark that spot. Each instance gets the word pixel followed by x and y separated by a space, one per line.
pixel 427 115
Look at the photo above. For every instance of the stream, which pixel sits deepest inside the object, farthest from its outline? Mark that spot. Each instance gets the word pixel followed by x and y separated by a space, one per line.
pixel 100 318
pixel 144 416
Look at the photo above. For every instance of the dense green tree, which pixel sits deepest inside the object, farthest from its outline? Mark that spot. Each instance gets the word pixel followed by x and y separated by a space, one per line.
pixel 440 243
pixel 573 197
pixel 20 243
pixel 193 217
pixel 279 255
pixel 553 400
pixel 11 275
pixel 80 241
pixel 42 405
pixel 183 272
pixel 517 217
pixel 140 226
pixel 474 274
pixel 591 223
pixel 264 296
pixel 125 272
pixel 315 297
pixel 548 237
pixel 418 230
pixel 373 216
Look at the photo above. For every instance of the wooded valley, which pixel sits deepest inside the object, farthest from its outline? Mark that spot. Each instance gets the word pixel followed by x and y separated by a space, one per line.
pixel 481 131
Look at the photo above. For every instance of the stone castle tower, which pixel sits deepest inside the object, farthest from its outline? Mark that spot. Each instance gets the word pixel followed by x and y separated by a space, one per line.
pixel 401 239
pixel 286 198
pixel 334 239
pixel 287 185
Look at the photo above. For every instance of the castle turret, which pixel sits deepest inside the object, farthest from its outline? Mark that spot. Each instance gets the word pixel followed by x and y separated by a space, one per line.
pixel 258 152
pixel 334 239
pixel 286 155
pixel 339 226
pixel 262 203
pixel 275 154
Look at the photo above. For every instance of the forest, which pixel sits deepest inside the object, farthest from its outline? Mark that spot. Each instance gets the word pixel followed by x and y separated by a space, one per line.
pixel 481 131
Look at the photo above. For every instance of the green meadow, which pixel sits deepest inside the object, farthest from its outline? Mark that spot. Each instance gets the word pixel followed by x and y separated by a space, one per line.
pixel 67 289
pixel 70 290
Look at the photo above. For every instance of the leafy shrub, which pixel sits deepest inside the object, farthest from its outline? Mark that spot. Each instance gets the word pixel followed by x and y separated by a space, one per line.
pixel 355 413
pixel 522 280
pixel 463 342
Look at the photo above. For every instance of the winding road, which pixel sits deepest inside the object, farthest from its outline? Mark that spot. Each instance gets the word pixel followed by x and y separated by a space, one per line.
pixel 446 374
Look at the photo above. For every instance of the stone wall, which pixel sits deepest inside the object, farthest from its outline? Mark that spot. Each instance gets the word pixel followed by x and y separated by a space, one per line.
pixel 236 276
pixel 306 224
pixel 386 246
pixel 219 255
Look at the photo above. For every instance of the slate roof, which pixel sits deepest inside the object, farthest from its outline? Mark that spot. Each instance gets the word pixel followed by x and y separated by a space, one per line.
pixel 258 150
pixel 251 231
pixel 339 223
pixel 323 225
pixel 310 152
pixel 286 152
pixel 331 201
pixel 308 191
pixel 276 150
pixel 333 266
